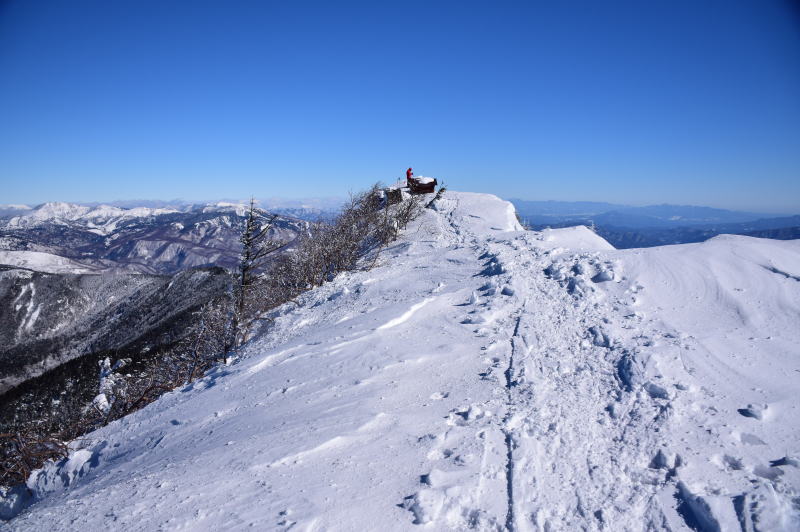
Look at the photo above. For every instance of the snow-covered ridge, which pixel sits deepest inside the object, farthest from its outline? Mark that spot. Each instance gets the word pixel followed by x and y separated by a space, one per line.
pixel 225 206
pixel 479 377
pixel 140 239
pixel 105 219
pixel 102 218
pixel 42 262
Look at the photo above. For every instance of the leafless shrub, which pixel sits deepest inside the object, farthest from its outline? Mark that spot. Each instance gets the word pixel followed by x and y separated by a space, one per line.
pixel 408 210
pixel 24 451
pixel 354 239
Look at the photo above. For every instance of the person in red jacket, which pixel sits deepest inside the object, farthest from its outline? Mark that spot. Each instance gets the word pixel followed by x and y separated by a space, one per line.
pixel 409 174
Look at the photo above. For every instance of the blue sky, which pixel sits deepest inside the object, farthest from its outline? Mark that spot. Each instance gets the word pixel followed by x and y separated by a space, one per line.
pixel 630 102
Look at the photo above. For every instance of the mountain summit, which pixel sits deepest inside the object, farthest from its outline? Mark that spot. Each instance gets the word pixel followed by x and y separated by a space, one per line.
pixel 478 377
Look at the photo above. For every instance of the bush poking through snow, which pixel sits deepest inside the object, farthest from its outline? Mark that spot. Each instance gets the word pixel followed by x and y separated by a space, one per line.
pixel 25 451
pixel 355 238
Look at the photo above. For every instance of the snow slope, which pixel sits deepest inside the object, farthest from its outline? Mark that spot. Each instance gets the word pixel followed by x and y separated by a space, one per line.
pixel 43 262
pixel 480 377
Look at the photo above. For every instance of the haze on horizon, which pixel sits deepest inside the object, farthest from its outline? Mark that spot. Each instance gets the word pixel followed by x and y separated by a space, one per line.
pixel 632 103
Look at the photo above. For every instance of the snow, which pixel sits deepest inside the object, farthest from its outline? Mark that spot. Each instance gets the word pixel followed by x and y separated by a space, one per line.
pixel 480 377
pixel 56 209
pixel 239 208
pixel 43 262
pixel 403 182
pixel 406 315
pixel 101 219
pixel 578 238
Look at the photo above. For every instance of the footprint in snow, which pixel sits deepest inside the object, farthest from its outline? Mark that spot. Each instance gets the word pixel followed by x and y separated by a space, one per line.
pixel 284 521
pixel 751 439
pixel 603 276
pixel 754 411
pixel 474 299
pixel 785 461
pixel 465 416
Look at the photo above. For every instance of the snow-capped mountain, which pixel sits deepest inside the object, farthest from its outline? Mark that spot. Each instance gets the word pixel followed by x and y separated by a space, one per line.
pixel 102 219
pixel 65 237
pixel 479 377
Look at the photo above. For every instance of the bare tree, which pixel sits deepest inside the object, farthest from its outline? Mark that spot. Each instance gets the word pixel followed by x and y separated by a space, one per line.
pixel 256 246
pixel 209 338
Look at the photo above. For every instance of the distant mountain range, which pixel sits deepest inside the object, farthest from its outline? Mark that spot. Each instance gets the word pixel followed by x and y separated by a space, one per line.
pixel 67 237
pixel 159 264
pixel 80 281
pixel 624 215
pixel 13 210
pixel 655 225
pixel 310 208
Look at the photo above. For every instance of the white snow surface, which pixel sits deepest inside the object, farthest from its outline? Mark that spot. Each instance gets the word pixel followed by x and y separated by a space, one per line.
pixel 480 377
pixel 41 261
pixel 239 208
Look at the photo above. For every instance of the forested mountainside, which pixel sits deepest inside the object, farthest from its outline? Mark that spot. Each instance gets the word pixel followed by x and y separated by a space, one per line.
pixel 78 280
pixel 48 319
pixel 63 237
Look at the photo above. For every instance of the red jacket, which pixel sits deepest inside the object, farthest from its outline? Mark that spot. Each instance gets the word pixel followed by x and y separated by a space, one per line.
pixel 409 173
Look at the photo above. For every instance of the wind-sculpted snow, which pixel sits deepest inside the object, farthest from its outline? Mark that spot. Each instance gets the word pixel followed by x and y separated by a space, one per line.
pixel 480 377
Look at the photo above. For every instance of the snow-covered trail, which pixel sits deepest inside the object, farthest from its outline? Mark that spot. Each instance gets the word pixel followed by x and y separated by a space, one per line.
pixel 481 377
pixel 577 447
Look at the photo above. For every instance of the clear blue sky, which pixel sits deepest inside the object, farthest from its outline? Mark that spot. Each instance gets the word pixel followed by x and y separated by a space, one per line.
pixel 633 102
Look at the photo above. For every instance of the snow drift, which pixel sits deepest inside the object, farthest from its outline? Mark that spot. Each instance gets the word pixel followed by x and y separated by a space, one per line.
pixel 481 377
